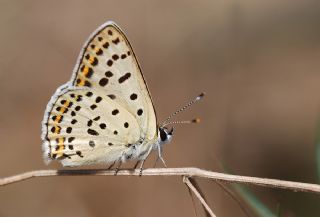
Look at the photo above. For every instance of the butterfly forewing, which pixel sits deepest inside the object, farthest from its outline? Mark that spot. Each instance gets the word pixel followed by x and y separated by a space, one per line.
pixel 104 109
pixel 108 63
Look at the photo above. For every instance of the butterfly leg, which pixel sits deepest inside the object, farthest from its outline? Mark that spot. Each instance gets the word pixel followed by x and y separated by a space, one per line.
pixel 144 159
pixel 141 166
pixel 109 168
pixel 118 167
pixel 136 165
pixel 160 156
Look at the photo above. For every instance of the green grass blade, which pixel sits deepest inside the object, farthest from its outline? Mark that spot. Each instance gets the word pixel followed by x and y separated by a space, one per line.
pixel 253 202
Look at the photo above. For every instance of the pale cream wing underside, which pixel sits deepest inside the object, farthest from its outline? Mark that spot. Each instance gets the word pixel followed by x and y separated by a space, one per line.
pixel 108 63
pixel 87 127
pixel 107 68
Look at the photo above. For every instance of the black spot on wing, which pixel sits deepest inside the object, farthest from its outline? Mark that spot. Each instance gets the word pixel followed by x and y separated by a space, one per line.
pixel 124 77
pixel 87 84
pixel 99 52
pixel 79 153
pixel 93 106
pixel 115 57
pixel 115 112
pixel 108 74
pixel 109 62
pixel 116 41
pixel 139 112
pixel 105 45
pixel 133 96
pixel 96 118
pixel 89 123
pixel 92 132
pixel 88 94
pixel 69 129
pixel 79 98
pixel 70 104
pixel 103 126
pixel 94 61
pixel 92 144
pixel 70 139
pixel 98 99
pixel 103 82
pixel 111 96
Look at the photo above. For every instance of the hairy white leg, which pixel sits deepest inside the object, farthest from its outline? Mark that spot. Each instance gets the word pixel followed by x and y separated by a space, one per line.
pixel 118 167
pixel 142 161
pixel 136 165
pixel 111 165
pixel 160 156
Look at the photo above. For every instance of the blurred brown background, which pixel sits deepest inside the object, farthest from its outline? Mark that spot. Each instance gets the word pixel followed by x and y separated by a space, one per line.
pixel 258 62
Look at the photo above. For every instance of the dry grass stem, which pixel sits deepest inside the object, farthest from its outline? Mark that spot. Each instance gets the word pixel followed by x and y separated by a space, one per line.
pixel 188 171
pixel 199 195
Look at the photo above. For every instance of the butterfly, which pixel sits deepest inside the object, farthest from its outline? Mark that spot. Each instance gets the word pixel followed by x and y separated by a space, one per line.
pixel 104 114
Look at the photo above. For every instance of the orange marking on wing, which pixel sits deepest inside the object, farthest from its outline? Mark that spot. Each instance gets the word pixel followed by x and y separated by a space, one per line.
pixel 58 118
pixel 66 104
pixel 60 144
pixel 58 152
pixel 91 59
pixel 57 129
pixel 85 71
pixel 80 82
pixel 62 109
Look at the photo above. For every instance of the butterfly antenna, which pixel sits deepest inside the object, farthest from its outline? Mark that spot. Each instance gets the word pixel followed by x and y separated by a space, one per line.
pixel 193 121
pixel 196 120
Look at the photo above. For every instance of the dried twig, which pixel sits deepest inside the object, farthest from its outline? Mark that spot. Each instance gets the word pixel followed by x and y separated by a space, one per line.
pixel 193 202
pixel 187 181
pixel 189 172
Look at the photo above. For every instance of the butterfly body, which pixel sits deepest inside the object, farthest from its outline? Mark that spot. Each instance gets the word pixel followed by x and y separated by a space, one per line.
pixel 104 114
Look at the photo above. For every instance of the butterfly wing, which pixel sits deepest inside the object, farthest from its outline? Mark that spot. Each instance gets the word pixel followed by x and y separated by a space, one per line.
pixel 107 62
pixel 107 69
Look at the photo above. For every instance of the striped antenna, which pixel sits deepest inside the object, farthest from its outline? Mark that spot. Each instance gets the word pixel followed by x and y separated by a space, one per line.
pixel 193 121
pixel 197 120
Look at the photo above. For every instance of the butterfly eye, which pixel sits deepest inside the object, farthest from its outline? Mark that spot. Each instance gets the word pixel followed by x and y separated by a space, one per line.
pixel 163 134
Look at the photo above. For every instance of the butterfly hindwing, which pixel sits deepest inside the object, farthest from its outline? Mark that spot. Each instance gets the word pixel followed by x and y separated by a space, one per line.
pixel 85 126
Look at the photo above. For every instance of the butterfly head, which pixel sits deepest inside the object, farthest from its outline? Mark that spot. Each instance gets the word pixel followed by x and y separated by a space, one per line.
pixel 164 135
